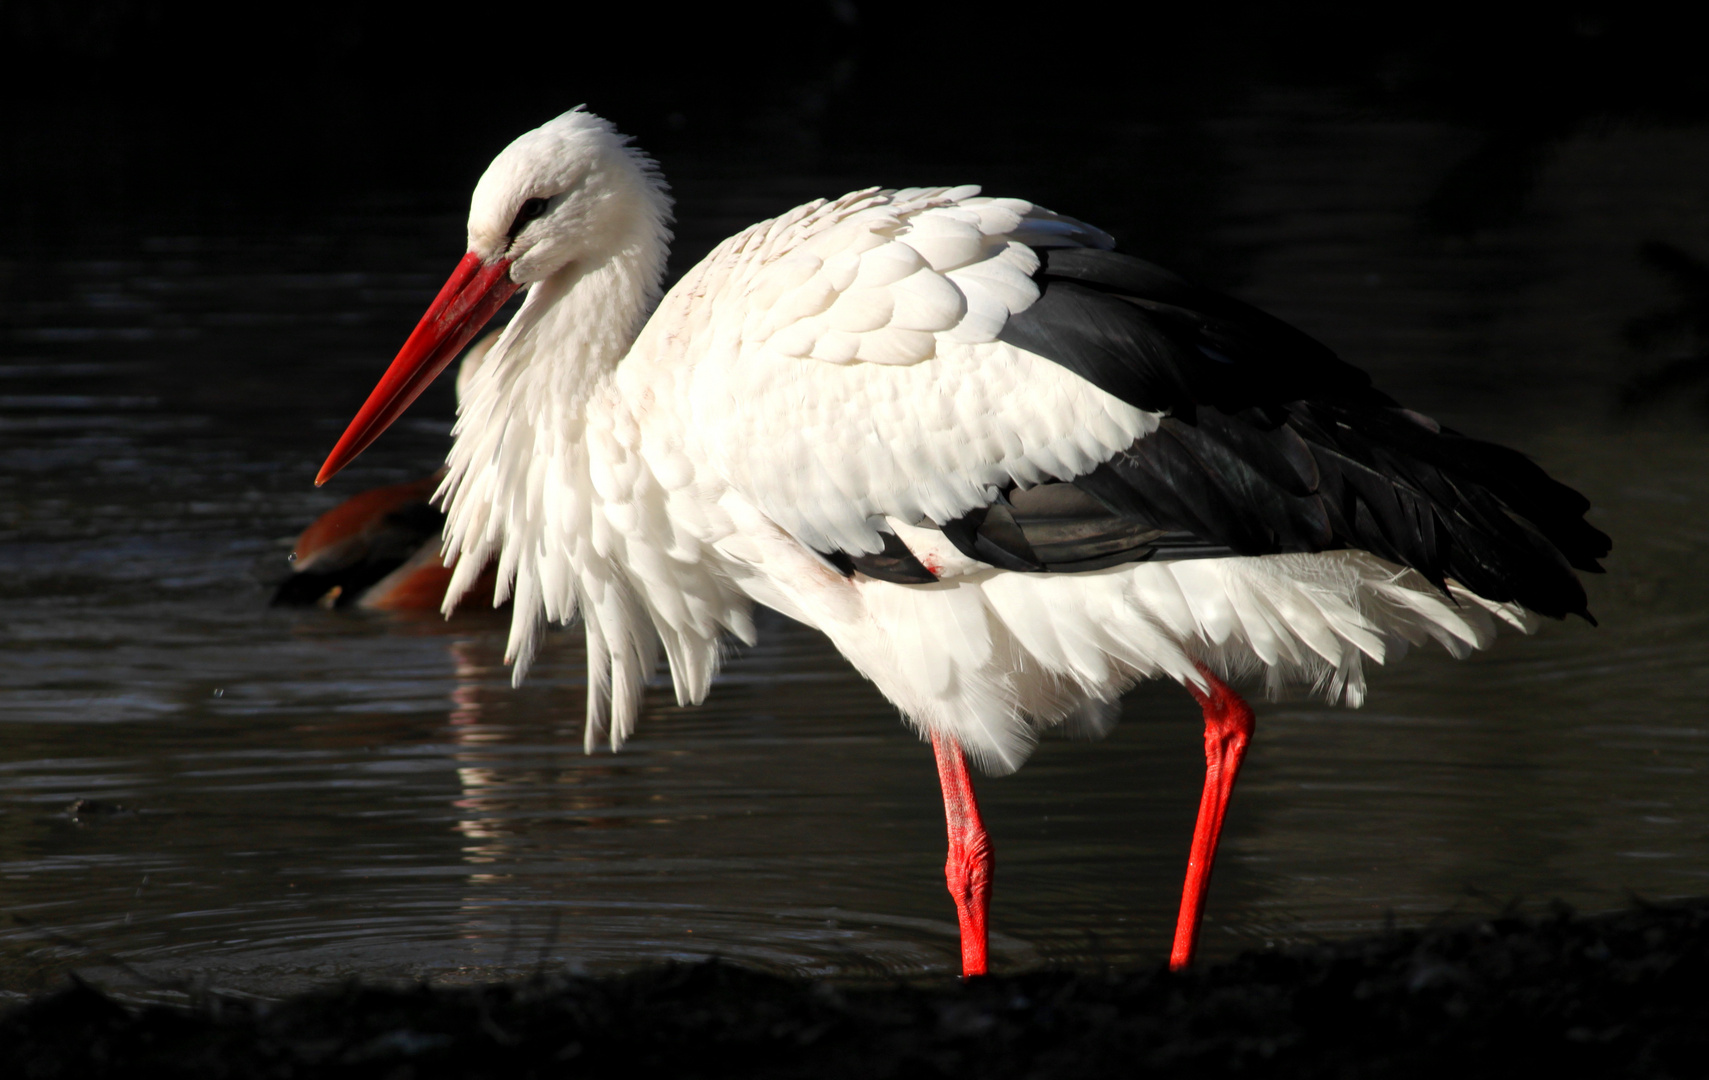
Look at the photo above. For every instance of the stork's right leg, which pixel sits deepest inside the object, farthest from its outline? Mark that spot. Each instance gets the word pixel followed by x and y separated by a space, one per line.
pixel 968 870
pixel 1228 728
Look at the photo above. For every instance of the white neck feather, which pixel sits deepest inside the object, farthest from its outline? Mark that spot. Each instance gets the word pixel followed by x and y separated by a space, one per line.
pixel 518 467
pixel 579 322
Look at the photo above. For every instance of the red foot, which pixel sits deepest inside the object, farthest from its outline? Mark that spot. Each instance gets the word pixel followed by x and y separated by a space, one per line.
pixel 970 864
pixel 1228 728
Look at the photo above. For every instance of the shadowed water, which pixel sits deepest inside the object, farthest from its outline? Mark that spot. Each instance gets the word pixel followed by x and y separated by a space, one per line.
pixel 286 797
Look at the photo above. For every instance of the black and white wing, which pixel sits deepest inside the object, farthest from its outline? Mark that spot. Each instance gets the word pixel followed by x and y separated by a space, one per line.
pixel 991 371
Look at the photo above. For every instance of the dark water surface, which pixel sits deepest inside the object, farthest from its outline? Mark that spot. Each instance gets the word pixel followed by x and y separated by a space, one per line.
pixel 307 795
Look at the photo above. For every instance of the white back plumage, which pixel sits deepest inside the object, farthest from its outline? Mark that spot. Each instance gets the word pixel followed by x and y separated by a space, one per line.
pixel 818 380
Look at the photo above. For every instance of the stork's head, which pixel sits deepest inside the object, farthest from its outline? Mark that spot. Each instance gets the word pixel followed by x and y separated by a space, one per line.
pixel 569 191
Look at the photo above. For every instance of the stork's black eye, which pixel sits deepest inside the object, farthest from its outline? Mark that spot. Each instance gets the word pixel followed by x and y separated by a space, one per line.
pixel 531 209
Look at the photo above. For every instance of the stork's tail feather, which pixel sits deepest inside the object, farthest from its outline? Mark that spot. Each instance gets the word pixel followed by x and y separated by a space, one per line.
pixel 1060 649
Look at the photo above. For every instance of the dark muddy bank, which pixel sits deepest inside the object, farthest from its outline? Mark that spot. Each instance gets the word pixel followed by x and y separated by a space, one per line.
pixel 1610 995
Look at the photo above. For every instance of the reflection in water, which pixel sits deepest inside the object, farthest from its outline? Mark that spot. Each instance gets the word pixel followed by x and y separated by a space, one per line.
pixel 553 858
pixel 316 794
pixel 468 729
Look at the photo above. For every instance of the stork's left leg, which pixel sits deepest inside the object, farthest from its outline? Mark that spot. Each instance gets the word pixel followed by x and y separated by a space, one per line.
pixel 968 870
pixel 1228 728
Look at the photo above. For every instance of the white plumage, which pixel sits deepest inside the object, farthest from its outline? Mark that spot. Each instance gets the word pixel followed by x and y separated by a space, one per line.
pixel 818 381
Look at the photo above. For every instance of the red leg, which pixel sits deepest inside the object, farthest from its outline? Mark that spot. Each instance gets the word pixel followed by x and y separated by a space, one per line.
pixel 1228 728
pixel 968 870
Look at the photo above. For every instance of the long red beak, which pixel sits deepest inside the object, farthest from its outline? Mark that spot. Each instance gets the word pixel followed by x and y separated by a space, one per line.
pixel 473 294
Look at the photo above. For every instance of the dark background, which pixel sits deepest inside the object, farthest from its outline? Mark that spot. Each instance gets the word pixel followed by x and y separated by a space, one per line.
pixel 318 137
pixel 127 111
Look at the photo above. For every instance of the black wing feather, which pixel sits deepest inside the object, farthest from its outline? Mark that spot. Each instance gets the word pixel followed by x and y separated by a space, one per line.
pixel 895 563
pixel 1270 443
pixel 1162 344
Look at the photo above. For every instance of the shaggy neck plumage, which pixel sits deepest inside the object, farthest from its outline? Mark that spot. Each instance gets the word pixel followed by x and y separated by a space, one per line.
pixel 591 312
pixel 528 403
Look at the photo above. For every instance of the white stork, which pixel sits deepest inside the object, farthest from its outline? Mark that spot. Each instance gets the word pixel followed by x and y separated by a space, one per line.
pixel 1008 470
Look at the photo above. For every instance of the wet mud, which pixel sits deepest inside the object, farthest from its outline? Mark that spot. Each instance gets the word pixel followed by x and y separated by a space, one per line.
pixel 1613 995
